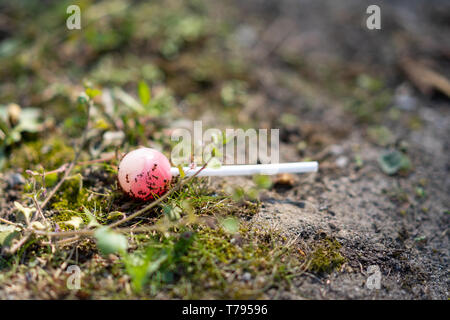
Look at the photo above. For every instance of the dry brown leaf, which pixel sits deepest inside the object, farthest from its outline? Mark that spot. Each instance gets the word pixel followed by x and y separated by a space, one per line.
pixel 424 78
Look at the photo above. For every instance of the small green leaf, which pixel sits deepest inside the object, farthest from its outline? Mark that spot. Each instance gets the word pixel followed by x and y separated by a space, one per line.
pixel 110 242
pixel 262 181
pixel 13 136
pixel 230 225
pixel 238 194
pixel 51 179
pixel 144 92
pixel 420 238
pixel 358 161
pixel 252 193
pixel 7 234
pixel 155 265
pixel 172 212
pixel 4 128
pixel 393 162
pixel 115 214
pixel 92 92
pixel 420 192
pixel 182 173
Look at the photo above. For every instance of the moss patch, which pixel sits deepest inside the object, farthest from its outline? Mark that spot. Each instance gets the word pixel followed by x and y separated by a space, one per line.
pixel 49 154
pixel 326 257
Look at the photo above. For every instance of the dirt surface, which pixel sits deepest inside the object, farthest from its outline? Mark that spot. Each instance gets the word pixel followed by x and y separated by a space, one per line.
pixel 408 241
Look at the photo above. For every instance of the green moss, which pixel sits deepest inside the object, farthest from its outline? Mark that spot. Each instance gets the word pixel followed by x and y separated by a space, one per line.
pixel 70 194
pixel 326 257
pixel 73 199
pixel 48 154
pixel 369 107
pixel 215 255
pixel 212 263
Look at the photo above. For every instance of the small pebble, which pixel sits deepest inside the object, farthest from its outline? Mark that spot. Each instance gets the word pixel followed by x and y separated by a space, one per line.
pixel 246 276
pixel 336 149
pixel 342 161
pixel 404 98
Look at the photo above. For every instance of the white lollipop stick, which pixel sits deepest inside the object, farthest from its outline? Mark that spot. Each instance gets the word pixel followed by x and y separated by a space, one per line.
pixel 251 169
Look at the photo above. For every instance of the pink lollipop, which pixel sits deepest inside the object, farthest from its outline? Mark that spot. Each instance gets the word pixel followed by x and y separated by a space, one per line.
pixel 144 173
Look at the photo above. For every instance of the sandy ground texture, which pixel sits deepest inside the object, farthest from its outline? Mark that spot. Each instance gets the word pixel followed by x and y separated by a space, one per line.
pixel 406 240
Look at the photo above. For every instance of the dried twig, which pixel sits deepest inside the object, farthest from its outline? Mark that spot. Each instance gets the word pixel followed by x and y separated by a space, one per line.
pixel 9 222
pixel 38 209
pixel 424 78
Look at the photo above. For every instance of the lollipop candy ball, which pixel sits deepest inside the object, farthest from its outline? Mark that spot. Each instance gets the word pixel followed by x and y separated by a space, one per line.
pixel 144 173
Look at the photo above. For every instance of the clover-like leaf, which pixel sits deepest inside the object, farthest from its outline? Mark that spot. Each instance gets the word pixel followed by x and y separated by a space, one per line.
pixel 172 212
pixel 393 162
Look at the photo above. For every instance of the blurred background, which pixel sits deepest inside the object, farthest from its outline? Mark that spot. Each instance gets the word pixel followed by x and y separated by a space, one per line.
pixel 311 68
pixel 236 57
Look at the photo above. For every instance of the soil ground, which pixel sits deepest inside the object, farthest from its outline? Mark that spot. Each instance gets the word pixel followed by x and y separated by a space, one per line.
pixel 317 73
pixel 407 241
